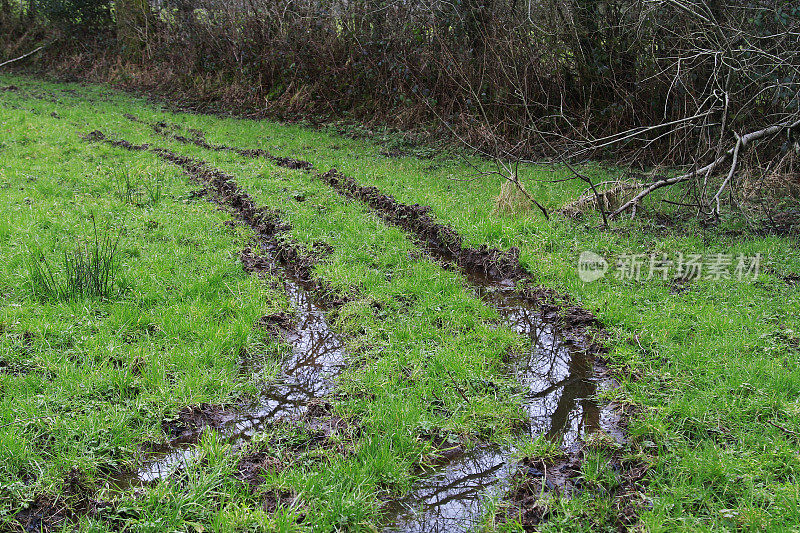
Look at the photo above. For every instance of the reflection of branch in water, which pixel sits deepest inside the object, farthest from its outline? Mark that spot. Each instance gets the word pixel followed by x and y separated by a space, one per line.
pixel 450 501
pixel 581 388
pixel 558 381
pixel 483 479
pixel 566 382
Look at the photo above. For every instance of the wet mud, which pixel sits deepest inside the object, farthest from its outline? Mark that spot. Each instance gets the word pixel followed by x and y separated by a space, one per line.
pixel 197 138
pixel 54 513
pixel 190 422
pixel 560 375
pixel 317 355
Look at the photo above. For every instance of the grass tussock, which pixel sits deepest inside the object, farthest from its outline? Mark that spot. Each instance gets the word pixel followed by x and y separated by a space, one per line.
pixel 511 200
pixel 90 270
pixel 148 190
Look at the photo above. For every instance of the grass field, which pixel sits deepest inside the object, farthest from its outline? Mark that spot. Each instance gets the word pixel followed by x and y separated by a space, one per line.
pixel 707 369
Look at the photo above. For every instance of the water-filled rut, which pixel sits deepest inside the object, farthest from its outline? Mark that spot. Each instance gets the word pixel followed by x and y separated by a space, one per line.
pixel 558 383
pixel 559 375
pixel 317 355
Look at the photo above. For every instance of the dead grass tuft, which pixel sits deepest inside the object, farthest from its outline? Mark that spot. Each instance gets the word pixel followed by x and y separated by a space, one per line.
pixel 511 201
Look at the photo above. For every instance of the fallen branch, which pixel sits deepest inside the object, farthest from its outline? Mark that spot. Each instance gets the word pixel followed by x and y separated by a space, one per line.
pixel 457 387
pixel 588 180
pixel 741 144
pixel 23 56
pixel 731 172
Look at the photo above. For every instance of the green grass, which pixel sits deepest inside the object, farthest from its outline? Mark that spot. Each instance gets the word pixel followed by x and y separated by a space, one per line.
pixel 85 381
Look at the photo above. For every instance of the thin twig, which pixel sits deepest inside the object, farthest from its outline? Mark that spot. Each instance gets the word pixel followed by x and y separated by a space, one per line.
pixel 588 180
pixel 457 387
pixel 787 430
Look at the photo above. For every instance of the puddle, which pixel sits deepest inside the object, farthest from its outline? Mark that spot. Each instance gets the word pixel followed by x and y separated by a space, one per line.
pixel 559 385
pixel 317 356
pixel 559 382
pixel 452 498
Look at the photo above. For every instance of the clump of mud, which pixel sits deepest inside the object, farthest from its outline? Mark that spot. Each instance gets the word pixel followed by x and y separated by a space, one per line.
pixel 189 423
pixel 50 512
pixel 99 136
pixel 252 465
pixel 563 477
pixel 318 428
pixel 250 471
pixel 276 324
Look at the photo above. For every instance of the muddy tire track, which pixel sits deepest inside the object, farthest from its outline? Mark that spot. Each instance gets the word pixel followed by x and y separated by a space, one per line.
pixel 223 190
pixel 440 239
pixel 197 138
pixel 288 398
pixel 483 265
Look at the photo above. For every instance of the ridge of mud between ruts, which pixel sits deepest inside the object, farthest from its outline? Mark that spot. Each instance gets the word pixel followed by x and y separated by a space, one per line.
pixel 576 325
pixel 187 426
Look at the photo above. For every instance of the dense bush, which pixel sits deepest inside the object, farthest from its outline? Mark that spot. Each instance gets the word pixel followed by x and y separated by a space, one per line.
pixel 656 82
pixel 74 13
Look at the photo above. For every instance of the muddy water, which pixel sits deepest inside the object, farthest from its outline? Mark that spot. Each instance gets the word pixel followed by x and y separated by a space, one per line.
pixel 452 498
pixel 317 356
pixel 558 381
pixel 559 386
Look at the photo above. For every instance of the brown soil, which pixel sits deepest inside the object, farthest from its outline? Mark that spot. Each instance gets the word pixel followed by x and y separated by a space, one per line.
pixel 321 429
pixel 53 513
pixel 578 326
pixel 252 465
pixel 563 477
pixel 328 429
pixel 190 422
pixel 250 470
